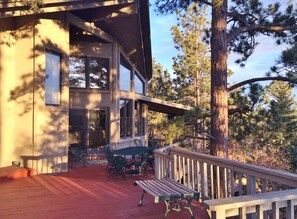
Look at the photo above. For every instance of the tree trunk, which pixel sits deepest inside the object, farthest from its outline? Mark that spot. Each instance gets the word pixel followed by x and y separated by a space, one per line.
pixel 219 91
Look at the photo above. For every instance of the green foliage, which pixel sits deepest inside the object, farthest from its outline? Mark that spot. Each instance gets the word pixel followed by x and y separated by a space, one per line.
pixel 161 85
pixel 33 5
pixel 255 13
pixel 256 118
pixel 270 124
pixel 192 65
pixel 286 64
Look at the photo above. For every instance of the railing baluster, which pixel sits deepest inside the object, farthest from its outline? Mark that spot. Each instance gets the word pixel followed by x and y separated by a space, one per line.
pixel 259 211
pixel 211 181
pixel 184 170
pixel 251 185
pixel 198 176
pixel 218 184
pixel 290 210
pixel 242 213
pixel 193 173
pixel 225 180
pixel 204 179
pixel 175 165
pixel 232 183
pixel 240 191
pixel 211 175
pixel 275 210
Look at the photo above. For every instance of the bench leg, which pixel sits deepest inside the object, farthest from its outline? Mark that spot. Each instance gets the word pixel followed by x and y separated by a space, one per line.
pixel 178 206
pixel 141 199
pixel 189 207
pixel 167 205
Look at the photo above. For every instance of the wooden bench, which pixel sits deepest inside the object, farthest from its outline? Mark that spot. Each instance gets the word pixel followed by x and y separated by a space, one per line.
pixel 175 195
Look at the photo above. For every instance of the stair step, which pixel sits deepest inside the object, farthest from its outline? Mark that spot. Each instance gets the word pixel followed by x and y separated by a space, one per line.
pixel 12 172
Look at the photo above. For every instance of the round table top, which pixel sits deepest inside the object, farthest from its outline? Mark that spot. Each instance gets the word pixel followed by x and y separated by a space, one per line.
pixel 131 150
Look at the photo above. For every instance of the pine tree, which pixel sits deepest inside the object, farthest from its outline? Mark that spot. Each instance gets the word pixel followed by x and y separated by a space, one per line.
pixel 235 29
pixel 160 86
pixel 192 65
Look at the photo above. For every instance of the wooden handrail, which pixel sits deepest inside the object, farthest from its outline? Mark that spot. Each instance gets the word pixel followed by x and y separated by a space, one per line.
pixel 278 176
pixel 218 178
pixel 257 203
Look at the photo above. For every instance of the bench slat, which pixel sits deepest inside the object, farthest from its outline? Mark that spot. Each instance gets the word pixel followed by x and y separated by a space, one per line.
pixel 166 189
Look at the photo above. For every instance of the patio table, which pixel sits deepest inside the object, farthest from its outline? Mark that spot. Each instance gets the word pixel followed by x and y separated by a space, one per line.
pixel 138 151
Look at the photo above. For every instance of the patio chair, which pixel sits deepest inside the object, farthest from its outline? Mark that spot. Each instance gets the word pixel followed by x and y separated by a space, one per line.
pixel 77 152
pixel 151 158
pixel 116 164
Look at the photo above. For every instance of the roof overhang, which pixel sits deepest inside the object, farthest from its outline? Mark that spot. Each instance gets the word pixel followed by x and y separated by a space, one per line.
pixel 162 106
pixel 126 21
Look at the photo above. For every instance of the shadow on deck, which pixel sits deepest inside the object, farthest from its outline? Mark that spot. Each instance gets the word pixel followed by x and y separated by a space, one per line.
pixel 83 192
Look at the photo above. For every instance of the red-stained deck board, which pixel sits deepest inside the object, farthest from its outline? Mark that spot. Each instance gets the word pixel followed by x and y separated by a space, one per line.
pixel 84 192
pixel 12 172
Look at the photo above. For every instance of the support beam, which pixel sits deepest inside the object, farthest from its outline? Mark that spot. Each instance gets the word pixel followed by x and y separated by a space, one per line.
pixel 16 8
pixel 89 27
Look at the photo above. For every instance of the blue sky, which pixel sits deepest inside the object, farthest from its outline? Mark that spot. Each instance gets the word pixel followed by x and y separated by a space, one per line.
pixel 163 50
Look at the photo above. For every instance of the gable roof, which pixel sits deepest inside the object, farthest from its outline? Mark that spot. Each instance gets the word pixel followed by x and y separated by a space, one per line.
pixel 127 21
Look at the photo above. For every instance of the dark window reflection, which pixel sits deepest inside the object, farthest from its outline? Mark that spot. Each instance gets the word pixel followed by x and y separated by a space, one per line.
pixel 85 72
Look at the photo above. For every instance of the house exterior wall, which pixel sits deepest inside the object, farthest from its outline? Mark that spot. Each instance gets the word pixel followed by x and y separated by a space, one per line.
pixel 31 132
pixel 92 99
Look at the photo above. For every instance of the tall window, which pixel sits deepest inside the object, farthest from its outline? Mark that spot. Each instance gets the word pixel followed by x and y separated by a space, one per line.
pixel 52 78
pixel 98 123
pixel 125 118
pixel 89 127
pixel 125 75
pixel 138 84
pixel 138 119
pixel 87 72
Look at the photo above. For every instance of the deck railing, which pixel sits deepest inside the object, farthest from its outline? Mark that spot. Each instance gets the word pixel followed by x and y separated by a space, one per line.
pixel 218 178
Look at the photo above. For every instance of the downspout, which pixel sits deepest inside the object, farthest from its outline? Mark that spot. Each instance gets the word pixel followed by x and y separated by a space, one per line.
pixel 33 94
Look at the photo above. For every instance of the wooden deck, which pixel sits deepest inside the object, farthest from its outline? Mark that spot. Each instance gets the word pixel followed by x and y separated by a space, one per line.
pixel 83 192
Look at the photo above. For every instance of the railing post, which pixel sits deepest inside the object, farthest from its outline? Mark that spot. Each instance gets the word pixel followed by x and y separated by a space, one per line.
pixel 157 167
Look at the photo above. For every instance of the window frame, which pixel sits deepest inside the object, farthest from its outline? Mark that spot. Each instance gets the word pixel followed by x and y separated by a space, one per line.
pixel 139 119
pixel 124 62
pixel 137 75
pixel 87 60
pixel 50 101
pixel 126 128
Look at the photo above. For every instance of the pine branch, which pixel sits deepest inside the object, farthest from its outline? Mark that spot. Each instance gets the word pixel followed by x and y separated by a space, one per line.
pixel 206 2
pixel 252 80
pixel 273 28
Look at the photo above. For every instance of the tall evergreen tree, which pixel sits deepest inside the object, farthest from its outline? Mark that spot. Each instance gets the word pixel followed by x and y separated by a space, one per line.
pixel 283 114
pixel 235 29
pixel 160 86
pixel 192 65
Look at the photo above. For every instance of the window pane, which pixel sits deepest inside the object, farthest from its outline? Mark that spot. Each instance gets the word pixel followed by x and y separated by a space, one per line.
pixel 122 118
pixel 98 74
pixel 125 118
pixel 52 79
pixel 97 128
pixel 77 127
pixel 125 76
pixel 138 85
pixel 77 72
pixel 138 119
